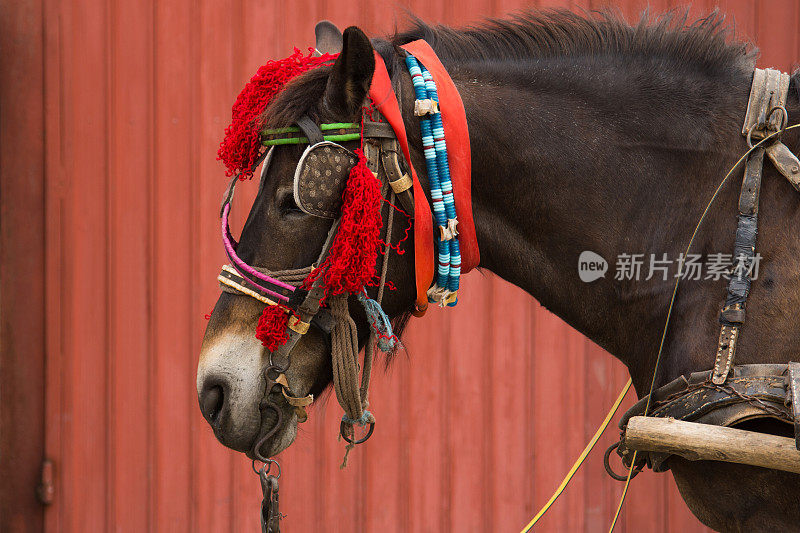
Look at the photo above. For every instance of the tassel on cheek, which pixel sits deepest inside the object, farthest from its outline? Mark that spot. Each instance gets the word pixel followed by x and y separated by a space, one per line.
pixel 350 265
pixel 272 326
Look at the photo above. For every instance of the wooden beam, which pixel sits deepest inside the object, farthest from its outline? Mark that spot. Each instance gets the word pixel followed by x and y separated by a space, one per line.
pixel 696 442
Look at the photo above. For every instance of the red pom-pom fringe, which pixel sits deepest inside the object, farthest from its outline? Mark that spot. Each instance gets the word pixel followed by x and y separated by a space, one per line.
pixel 350 265
pixel 241 146
pixel 272 326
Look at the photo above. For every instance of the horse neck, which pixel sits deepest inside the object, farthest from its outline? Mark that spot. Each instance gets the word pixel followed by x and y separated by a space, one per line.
pixel 575 155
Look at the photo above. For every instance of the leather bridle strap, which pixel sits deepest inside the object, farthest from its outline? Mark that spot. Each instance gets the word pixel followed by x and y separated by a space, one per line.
pixel 766 114
pixel 312 132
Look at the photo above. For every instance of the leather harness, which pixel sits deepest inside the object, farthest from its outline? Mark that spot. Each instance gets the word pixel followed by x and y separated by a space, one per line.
pixel 730 394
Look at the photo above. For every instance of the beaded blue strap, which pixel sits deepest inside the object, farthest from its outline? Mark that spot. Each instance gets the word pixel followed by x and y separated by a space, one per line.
pixel 448 272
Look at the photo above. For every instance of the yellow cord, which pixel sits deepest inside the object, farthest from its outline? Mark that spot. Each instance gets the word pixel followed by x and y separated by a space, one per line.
pixel 624 492
pixel 580 459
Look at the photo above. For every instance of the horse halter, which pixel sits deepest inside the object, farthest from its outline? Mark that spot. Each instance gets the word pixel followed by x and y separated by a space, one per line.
pixel 319 179
pixel 323 173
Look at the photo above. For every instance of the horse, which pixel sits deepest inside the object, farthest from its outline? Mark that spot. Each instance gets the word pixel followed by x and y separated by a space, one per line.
pixel 587 133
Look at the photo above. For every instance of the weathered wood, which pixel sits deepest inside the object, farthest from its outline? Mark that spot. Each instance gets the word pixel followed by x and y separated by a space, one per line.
pixel 695 441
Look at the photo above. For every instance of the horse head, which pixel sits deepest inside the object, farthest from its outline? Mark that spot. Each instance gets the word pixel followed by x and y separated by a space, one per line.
pixel 279 236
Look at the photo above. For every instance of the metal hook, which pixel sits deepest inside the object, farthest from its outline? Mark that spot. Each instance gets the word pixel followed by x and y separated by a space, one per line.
pixel 611 472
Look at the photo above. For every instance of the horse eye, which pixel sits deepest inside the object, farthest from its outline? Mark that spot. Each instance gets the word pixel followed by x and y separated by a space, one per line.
pixel 286 204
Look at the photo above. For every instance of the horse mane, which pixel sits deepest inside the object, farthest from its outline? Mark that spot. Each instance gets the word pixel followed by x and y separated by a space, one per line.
pixel 706 43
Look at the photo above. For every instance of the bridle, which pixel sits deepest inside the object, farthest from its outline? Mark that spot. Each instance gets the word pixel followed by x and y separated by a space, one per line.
pixel 386 154
pixel 273 287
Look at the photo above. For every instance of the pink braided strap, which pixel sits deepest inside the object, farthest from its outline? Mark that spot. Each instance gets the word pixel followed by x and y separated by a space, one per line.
pixel 243 267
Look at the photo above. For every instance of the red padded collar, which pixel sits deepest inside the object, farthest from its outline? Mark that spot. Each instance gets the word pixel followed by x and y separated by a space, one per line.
pixel 458 152
pixel 454 119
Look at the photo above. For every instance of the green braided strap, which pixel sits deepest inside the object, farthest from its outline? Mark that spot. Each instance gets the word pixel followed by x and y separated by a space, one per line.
pixel 345 132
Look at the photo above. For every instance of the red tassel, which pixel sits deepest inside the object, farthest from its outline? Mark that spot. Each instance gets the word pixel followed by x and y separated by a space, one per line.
pixel 350 265
pixel 272 325
pixel 241 146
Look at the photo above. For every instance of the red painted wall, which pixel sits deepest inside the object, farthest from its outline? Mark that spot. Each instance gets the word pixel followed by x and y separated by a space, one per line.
pixel 111 115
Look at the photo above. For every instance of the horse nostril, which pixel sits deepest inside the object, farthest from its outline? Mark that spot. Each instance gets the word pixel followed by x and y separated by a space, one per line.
pixel 211 403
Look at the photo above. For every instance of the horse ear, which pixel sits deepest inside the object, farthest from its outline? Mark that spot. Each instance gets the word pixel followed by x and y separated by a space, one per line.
pixel 329 37
pixel 352 73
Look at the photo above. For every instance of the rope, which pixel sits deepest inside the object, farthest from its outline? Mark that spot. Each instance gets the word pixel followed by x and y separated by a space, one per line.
pixel 672 302
pixel 293 277
pixel 345 388
pixel 369 350
pixel 344 353
pixel 581 458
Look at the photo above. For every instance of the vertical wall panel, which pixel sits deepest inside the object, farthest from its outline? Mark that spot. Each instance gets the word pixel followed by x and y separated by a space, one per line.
pixel 477 421
pixel 129 259
pixel 83 460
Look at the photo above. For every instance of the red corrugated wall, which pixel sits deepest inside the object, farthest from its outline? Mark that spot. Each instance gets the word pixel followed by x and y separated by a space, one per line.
pixel 112 112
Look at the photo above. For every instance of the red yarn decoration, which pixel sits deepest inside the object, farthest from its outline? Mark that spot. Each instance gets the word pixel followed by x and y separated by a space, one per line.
pixel 350 265
pixel 272 326
pixel 241 146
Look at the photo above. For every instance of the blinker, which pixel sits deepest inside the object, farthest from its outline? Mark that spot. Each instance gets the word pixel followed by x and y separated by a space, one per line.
pixel 320 178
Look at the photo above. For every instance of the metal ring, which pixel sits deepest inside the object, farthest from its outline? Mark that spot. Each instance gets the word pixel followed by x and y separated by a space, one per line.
pixel 611 472
pixel 749 137
pixel 784 122
pixel 343 433
pixel 266 466
pixel 776 134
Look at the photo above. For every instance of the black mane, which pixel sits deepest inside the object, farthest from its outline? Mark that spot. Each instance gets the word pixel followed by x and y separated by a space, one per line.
pixel 705 43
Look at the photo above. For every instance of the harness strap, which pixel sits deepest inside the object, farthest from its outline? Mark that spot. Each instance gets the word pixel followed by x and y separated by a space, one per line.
pixel 312 131
pixel 770 89
pixel 400 182
pixel 766 114
pixel 732 315
pixel 377 130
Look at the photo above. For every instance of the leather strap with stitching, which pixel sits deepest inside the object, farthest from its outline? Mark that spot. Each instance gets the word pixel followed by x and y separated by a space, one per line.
pixel 732 315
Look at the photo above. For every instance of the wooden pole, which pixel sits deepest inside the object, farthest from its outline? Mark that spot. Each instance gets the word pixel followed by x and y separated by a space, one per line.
pixel 695 442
